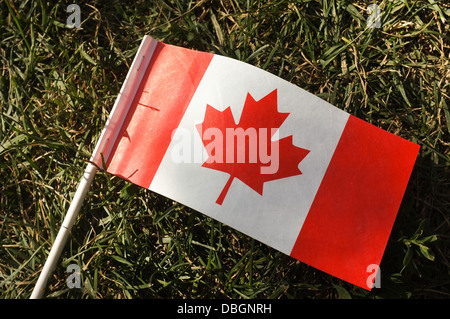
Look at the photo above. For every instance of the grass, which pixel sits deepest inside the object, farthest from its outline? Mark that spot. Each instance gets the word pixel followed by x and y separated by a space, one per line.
pixel 57 86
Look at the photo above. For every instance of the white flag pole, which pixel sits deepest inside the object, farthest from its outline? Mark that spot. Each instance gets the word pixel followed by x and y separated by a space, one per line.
pixel 64 231
pixel 101 153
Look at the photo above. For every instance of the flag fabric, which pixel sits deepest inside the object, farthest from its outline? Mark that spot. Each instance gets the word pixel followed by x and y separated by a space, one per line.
pixel 258 154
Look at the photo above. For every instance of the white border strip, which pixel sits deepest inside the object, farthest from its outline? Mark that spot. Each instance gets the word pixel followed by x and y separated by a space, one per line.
pixel 124 99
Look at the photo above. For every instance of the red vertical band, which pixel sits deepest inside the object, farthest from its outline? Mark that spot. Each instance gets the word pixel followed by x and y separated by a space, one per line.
pixel 161 100
pixel 352 215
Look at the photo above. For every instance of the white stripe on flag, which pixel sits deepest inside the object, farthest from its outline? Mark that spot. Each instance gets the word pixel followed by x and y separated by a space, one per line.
pixel 277 217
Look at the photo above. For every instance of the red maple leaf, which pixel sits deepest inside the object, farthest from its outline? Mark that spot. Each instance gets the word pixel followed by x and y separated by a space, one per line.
pixel 246 150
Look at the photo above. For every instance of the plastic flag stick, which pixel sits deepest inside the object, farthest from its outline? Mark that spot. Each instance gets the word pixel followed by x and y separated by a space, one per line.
pixel 64 231
pixel 101 153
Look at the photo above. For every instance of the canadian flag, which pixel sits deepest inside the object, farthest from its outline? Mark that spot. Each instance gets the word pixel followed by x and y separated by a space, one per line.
pixel 259 154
